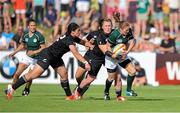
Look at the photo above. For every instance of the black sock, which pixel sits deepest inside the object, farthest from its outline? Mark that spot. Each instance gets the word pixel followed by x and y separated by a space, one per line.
pixel 19 82
pixel 84 90
pixel 118 93
pixel 28 85
pixel 129 82
pixel 79 80
pixel 80 89
pixel 107 86
pixel 66 87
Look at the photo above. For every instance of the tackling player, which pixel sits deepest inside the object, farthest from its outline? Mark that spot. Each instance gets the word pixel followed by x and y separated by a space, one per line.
pixel 53 56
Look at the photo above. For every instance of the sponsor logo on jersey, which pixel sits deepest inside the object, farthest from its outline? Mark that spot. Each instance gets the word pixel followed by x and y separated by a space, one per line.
pixel 35 40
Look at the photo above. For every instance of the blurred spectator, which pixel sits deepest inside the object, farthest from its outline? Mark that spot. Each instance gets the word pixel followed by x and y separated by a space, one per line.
pixel 3 43
pixel 158 15
pixel 1 16
pixel 20 9
pixel 14 43
pixel 38 6
pixel 177 42
pixel 29 10
pixel 145 45
pixel 142 16
pixel 49 2
pixel 7 34
pixel 155 39
pixel 111 7
pixel 123 9
pixel 78 18
pixel 167 44
pixel 101 6
pixel 140 75
pixel 82 5
pixel 174 6
pixel 64 7
pixel 7 13
pixel 132 7
pixel 50 17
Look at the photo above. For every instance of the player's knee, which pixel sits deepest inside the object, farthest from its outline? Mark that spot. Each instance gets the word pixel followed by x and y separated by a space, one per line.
pixel 132 73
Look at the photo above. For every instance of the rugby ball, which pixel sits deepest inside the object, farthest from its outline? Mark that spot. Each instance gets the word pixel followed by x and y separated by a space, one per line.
pixel 118 49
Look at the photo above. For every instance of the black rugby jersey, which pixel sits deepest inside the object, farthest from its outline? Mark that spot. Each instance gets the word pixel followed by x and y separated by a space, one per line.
pixel 100 38
pixel 61 46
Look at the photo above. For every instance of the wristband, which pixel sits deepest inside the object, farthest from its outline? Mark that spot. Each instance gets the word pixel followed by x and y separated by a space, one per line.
pixel 85 62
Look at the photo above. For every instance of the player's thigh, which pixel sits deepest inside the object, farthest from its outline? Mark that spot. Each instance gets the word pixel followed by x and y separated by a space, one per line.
pixel 21 68
pixel 35 73
pixel 62 71
pixel 80 72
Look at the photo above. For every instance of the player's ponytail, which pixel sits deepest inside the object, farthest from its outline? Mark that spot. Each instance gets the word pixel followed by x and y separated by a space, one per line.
pixel 71 27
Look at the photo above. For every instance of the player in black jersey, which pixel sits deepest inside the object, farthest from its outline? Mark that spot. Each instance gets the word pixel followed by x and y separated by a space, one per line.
pixel 96 57
pixel 53 56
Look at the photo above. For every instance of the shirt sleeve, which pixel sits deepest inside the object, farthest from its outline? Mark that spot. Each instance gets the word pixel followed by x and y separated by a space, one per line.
pixel 113 36
pixel 130 34
pixel 41 39
pixel 101 40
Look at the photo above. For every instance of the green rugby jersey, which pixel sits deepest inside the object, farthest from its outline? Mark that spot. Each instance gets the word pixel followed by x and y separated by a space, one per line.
pixel 33 42
pixel 117 38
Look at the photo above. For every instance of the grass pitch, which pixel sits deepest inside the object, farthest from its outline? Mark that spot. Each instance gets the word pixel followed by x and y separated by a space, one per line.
pixel 51 98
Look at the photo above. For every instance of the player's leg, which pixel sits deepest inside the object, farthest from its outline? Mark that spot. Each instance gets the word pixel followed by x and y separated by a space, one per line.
pixel 26 90
pixel 118 87
pixel 111 76
pixel 131 75
pixel 62 71
pixel 20 69
pixel 80 75
pixel 111 66
pixel 85 82
pixel 37 71
pixel 80 72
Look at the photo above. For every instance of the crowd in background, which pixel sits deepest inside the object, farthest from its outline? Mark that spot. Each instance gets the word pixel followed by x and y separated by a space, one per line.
pixel 155 22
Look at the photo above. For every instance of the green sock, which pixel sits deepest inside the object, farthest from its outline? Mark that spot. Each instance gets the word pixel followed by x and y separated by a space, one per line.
pixel 129 82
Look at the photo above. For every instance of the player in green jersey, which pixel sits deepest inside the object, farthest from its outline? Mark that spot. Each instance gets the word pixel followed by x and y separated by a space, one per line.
pixel 121 35
pixel 33 41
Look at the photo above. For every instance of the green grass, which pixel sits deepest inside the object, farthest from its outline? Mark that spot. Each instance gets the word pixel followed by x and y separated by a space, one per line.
pixel 51 98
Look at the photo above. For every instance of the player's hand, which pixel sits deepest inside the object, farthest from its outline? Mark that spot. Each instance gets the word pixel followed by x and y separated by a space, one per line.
pixel 87 67
pixel 124 54
pixel 30 53
pixel 11 55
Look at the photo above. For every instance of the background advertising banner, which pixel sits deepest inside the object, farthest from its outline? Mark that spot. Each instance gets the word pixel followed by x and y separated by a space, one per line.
pixel 8 67
pixel 168 69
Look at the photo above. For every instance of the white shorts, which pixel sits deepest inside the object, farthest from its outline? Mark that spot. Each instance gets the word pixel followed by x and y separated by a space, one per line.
pixel 20 11
pixel 82 6
pixel 111 63
pixel 29 61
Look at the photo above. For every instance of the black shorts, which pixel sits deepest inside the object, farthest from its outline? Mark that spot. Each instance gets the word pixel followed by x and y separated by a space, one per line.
pixel 95 65
pixel 125 63
pixel 64 7
pixel 174 10
pixel 46 59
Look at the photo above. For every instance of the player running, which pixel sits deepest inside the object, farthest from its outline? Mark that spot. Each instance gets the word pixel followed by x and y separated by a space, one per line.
pixel 122 34
pixel 96 57
pixel 34 41
pixel 53 56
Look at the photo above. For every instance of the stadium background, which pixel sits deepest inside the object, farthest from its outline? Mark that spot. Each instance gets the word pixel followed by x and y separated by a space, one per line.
pixel 162 69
